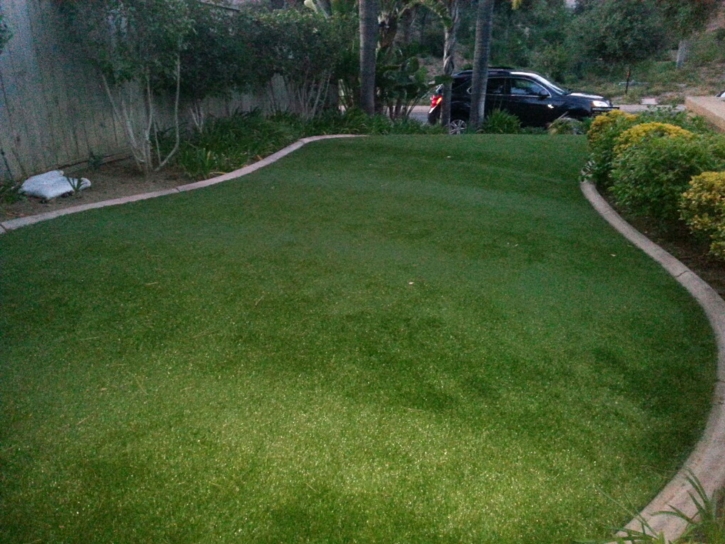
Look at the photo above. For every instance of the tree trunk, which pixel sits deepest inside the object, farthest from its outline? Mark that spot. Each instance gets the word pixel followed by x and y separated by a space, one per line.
pixel 481 55
pixel 449 51
pixel 682 51
pixel 368 43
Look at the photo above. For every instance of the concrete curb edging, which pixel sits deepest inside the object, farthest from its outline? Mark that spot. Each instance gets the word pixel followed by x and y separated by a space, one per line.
pixel 707 461
pixel 13 224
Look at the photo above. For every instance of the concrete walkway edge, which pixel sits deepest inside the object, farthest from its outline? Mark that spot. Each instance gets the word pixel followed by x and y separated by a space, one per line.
pixel 707 461
pixel 13 224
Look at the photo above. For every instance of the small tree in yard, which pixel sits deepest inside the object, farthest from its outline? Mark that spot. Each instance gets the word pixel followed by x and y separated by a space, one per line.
pixel 304 49
pixel 214 61
pixel 135 44
pixel 618 32
pixel 686 18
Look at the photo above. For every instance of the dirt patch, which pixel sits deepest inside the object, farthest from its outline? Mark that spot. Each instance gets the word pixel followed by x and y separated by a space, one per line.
pixel 111 180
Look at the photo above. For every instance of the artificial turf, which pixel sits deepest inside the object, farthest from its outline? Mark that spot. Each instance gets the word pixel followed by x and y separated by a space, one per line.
pixel 389 339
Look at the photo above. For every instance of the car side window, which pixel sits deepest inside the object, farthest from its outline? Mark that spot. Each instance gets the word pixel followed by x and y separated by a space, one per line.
pixel 526 87
pixel 459 85
pixel 496 85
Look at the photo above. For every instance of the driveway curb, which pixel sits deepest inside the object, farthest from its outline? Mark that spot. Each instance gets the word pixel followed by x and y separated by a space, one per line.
pixel 13 224
pixel 707 461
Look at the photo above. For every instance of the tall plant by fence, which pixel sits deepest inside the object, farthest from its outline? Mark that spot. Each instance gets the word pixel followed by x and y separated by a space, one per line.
pixel 54 111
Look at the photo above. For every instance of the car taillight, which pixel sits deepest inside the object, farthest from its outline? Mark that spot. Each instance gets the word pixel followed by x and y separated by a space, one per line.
pixel 435 100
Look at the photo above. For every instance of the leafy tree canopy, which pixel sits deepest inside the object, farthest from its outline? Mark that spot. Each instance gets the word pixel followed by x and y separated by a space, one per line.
pixel 688 17
pixel 620 31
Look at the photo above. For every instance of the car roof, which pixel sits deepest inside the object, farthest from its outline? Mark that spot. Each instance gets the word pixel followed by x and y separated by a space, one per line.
pixel 496 70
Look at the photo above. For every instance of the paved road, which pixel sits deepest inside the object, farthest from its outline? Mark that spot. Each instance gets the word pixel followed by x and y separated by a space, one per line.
pixel 420 113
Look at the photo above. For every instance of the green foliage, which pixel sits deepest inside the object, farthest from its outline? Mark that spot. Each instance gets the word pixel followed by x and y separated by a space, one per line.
pixel 702 207
pixel 400 81
pixel 602 137
pixel 501 122
pixel 566 125
pixel 5 33
pixel 619 31
pixel 303 48
pixel 605 130
pixel 672 116
pixel 650 176
pixel 9 191
pixel 707 48
pixel 131 40
pixel 707 526
pixel 228 144
pixel 216 59
pixel 684 18
pixel 532 35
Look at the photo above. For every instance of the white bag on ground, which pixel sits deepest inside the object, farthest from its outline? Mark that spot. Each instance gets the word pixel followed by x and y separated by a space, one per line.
pixel 52 185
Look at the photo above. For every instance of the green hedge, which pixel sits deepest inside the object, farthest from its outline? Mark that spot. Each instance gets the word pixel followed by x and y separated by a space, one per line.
pixel 667 166
pixel 703 209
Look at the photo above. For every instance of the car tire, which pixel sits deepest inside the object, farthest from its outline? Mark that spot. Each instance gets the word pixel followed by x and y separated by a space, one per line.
pixel 457 126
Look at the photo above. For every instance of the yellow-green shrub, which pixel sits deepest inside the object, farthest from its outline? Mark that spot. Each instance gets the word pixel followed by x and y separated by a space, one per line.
pixel 649 177
pixel 638 133
pixel 602 124
pixel 702 207
pixel 602 137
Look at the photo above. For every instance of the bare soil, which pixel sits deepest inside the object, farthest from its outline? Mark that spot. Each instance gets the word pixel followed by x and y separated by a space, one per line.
pixel 111 180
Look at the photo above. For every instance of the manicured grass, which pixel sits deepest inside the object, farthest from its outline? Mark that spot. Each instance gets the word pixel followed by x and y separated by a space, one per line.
pixel 399 339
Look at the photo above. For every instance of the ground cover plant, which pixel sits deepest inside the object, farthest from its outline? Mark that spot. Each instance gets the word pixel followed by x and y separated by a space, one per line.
pixel 224 145
pixel 399 339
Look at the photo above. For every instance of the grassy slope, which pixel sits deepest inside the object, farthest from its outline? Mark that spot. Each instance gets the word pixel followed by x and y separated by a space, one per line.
pixel 391 339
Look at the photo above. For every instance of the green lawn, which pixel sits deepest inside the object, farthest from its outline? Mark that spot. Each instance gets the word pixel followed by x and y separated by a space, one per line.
pixel 389 339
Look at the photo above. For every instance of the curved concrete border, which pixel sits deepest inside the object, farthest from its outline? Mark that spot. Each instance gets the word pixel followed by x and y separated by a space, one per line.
pixel 707 461
pixel 13 224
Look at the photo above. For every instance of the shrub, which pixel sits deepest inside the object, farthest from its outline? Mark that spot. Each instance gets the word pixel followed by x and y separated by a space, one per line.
pixel 605 130
pixel 639 133
pixel 702 207
pixel 682 119
pixel 501 122
pixel 566 125
pixel 649 177
pixel 223 145
pixel 602 136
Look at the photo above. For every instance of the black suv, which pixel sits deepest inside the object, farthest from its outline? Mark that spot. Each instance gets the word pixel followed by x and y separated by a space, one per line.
pixel 535 100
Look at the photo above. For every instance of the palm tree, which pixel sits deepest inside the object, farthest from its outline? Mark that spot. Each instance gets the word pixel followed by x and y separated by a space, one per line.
pixel 368 43
pixel 451 22
pixel 481 56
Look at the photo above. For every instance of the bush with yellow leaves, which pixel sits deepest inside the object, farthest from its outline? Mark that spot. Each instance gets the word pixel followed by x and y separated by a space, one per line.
pixel 639 133
pixel 702 207
pixel 602 137
pixel 652 170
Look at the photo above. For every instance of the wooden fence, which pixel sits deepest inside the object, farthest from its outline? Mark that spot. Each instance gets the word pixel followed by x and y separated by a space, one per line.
pixel 54 111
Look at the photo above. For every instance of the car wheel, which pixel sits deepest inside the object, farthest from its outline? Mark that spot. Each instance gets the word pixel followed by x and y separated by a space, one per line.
pixel 457 126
